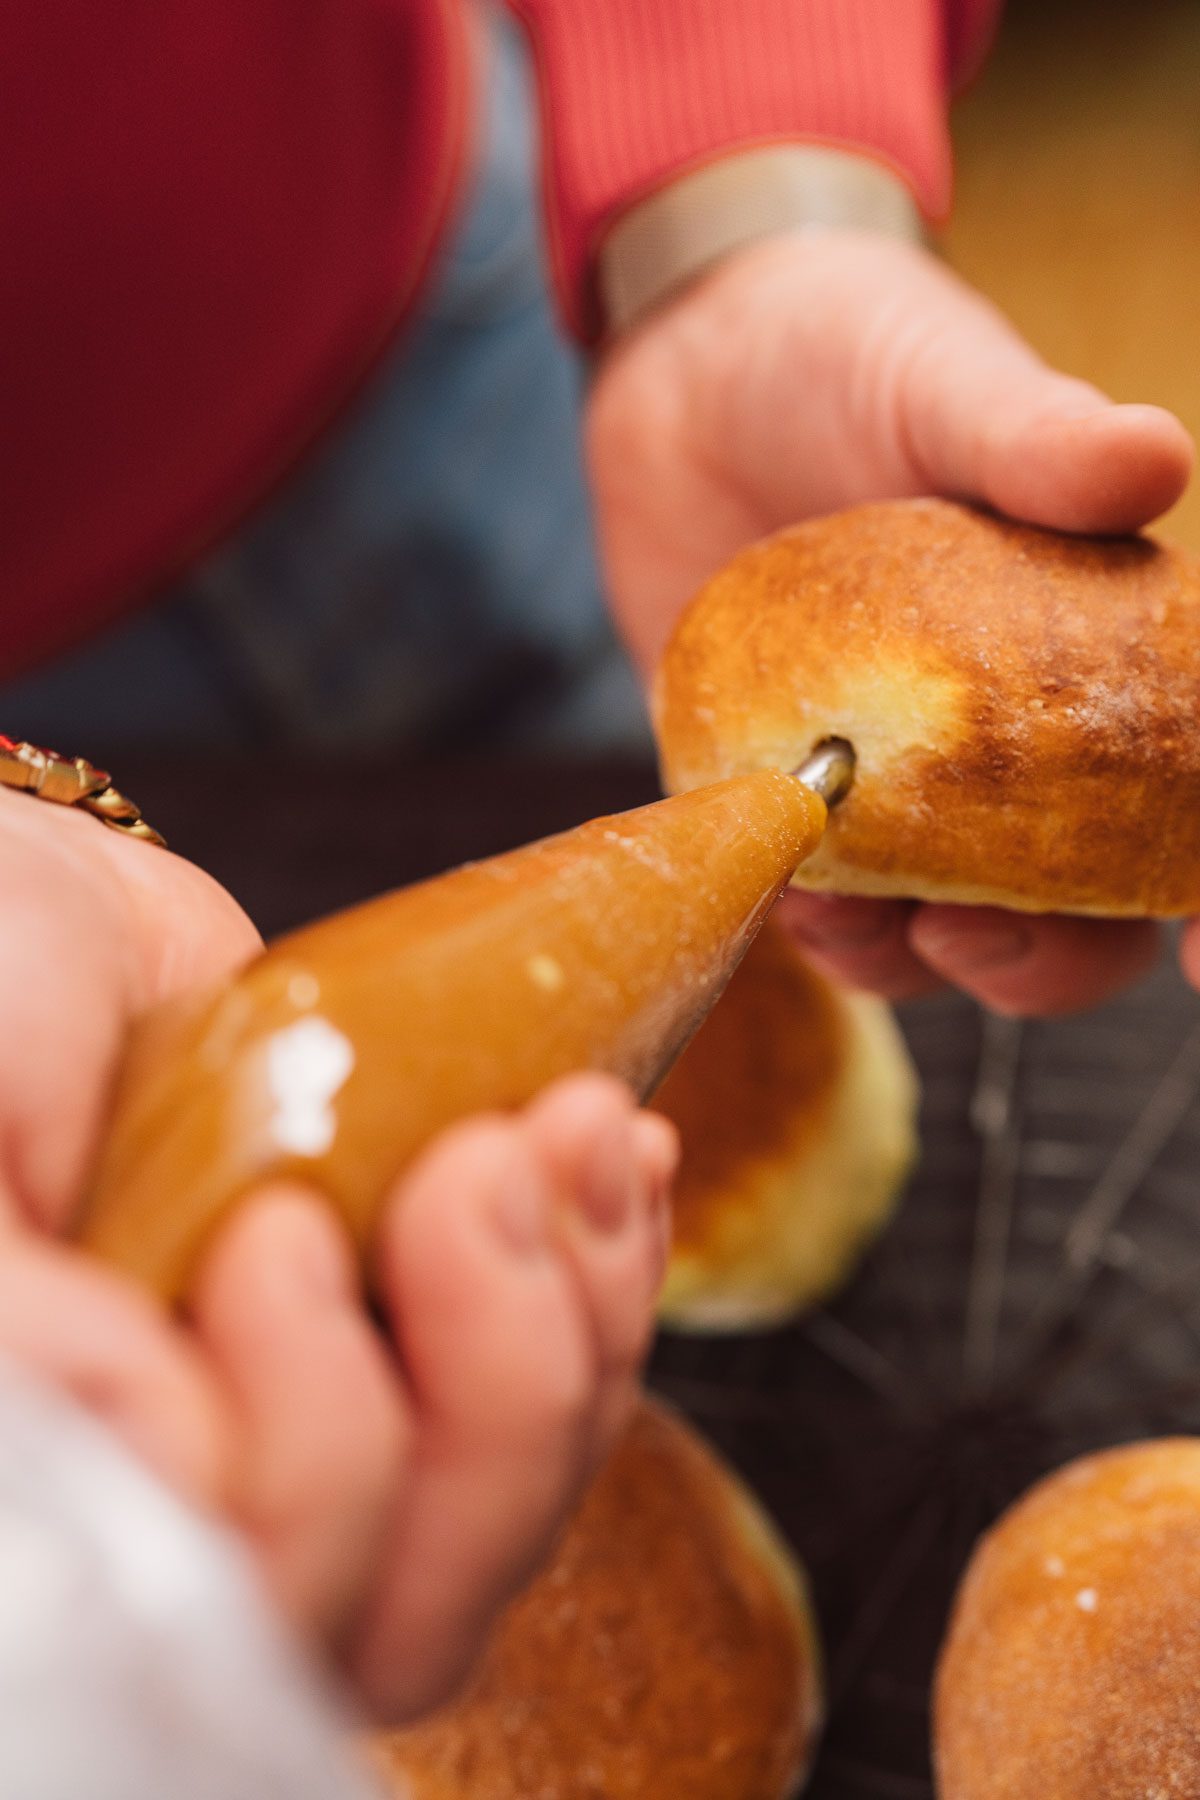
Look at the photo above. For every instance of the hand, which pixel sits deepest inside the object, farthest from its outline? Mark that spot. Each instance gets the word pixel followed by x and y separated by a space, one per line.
pixel 396 1486
pixel 93 930
pixel 817 370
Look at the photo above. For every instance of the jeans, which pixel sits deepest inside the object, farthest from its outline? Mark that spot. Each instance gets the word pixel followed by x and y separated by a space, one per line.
pixel 428 579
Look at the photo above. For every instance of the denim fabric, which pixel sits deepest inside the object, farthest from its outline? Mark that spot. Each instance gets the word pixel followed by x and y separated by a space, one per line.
pixel 428 579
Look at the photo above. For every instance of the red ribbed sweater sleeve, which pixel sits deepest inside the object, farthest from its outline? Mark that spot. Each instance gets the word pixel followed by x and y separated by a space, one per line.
pixel 213 216
pixel 635 91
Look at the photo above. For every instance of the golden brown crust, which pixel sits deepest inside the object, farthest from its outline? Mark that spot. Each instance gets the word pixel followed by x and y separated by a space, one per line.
pixel 753 1087
pixel 795 1105
pixel 1024 704
pixel 666 1651
pixel 1072 1667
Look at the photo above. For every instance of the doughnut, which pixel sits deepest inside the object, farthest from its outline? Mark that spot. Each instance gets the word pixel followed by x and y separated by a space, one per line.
pixel 1024 705
pixel 1071 1670
pixel 668 1650
pixel 796 1106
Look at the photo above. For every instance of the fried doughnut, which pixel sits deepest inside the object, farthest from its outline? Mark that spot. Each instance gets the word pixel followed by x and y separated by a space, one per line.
pixel 1072 1666
pixel 668 1650
pixel 1024 705
pixel 796 1108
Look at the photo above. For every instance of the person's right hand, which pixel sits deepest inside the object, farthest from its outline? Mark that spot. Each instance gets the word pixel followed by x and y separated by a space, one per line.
pixel 396 1485
pixel 816 370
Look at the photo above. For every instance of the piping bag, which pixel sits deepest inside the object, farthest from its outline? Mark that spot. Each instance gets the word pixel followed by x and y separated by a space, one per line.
pixel 340 1050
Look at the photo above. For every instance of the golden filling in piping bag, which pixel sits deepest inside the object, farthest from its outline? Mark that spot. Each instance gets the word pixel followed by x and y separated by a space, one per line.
pixel 339 1051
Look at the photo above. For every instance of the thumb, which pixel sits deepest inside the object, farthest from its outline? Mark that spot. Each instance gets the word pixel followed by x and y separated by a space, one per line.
pixel 985 418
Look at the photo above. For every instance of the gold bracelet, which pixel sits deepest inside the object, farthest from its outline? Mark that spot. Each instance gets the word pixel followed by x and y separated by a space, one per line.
pixel 70 781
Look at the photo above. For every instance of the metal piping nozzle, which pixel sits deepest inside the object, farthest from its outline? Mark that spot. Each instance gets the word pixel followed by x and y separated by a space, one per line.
pixel 829 770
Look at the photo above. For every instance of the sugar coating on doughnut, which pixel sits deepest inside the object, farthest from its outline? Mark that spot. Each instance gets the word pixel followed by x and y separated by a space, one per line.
pixel 1022 704
pixel 1072 1666
pixel 667 1651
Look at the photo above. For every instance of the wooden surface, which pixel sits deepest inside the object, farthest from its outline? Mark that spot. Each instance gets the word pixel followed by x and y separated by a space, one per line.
pixel 1078 207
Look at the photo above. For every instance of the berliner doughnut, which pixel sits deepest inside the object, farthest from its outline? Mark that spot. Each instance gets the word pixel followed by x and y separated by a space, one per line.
pixel 1072 1666
pixel 1025 706
pixel 796 1107
pixel 668 1651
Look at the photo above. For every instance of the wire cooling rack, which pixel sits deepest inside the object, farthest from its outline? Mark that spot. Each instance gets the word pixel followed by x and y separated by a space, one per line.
pixel 1037 1296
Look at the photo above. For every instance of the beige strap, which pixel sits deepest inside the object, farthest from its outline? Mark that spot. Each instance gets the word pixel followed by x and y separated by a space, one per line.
pixel 663 242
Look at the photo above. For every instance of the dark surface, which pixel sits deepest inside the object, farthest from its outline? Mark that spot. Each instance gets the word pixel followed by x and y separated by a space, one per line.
pixel 886 1432
pixel 295 840
pixel 972 1353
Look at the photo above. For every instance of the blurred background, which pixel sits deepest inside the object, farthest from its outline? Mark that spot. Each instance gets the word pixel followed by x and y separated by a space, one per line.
pixel 426 588
pixel 427 584
pixel 1078 207
pixel 404 662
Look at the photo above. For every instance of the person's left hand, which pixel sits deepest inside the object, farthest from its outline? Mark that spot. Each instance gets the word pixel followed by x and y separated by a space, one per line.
pixel 816 370
pixel 395 1482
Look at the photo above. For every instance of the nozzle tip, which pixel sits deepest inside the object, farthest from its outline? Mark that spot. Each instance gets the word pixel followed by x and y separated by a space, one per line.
pixel 829 770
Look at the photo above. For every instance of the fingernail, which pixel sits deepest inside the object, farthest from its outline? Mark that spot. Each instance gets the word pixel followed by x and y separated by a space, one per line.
pixel 606 1196
pixel 1068 398
pixel 664 1237
pixel 522 1206
pixel 971 949
pixel 657 1148
pixel 306 1254
pixel 318 1270
pixel 1081 411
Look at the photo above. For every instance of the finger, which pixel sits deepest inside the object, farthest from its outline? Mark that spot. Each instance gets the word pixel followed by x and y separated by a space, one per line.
pixel 658 1150
pixel 1189 952
pixel 71 1321
pixel 1037 965
pixel 863 943
pixel 501 1366
pixel 324 1422
pixel 657 1147
pixel 189 931
pixel 110 927
pixel 65 1006
pixel 984 417
pixel 608 1167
